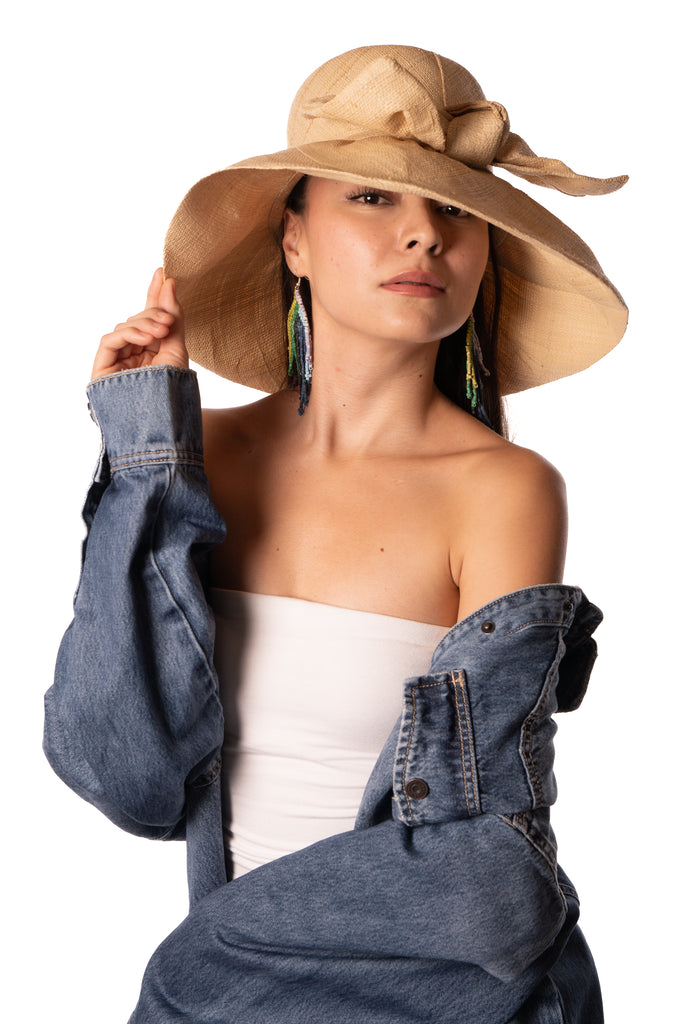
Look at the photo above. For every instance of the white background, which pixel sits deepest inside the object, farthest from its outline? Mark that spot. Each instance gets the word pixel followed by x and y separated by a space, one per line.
pixel 111 114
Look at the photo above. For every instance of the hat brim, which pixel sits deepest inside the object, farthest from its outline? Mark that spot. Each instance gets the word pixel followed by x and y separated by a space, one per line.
pixel 558 313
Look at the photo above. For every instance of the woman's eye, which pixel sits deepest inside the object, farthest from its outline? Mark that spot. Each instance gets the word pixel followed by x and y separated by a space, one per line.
pixel 454 211
pixel 367 198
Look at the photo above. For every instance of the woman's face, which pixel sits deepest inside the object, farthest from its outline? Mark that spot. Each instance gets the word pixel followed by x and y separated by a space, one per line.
pixel 385 264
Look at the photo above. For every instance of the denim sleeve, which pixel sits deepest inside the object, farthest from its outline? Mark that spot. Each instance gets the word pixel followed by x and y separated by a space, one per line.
pixel 133 718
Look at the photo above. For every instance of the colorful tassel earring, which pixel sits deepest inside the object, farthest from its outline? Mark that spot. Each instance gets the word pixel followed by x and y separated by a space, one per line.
pixel 300 347
pixel 473 361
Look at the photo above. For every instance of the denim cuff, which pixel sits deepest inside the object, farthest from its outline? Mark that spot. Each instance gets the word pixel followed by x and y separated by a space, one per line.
pixel 476 733
pixel 148 416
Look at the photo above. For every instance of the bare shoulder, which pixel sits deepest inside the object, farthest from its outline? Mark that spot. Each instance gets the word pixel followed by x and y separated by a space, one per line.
pixel 513 525
pixel 498 475
pixel 230 432
pixel 223 426
pixel 516 477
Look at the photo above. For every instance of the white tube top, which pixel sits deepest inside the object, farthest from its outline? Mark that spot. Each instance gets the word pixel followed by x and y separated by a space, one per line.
pixel 310 693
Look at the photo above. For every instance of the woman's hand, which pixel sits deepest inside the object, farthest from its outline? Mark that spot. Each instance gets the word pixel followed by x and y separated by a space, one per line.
pixel 155 337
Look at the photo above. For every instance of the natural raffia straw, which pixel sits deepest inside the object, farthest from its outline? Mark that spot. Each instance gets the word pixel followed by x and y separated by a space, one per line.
pixel 407 120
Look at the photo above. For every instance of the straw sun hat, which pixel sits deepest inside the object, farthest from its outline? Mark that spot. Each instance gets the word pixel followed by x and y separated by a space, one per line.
pixel 406 120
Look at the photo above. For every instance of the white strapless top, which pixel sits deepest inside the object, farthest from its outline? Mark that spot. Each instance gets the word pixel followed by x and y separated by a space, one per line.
pixel 310 693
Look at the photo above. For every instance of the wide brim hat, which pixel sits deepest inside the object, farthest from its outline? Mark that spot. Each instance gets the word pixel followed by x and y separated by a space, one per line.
pixel 406 120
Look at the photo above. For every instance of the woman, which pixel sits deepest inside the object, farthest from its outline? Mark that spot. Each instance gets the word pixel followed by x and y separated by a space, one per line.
pixel 358 533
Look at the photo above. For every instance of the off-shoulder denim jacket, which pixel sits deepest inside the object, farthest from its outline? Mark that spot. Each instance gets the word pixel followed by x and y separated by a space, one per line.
pixel 445 901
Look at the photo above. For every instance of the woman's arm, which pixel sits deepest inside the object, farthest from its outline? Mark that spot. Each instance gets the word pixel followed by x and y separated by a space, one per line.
pixel 516 533
pixel 133 717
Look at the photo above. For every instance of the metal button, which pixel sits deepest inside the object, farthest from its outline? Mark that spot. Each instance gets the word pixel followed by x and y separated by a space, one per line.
pixel 568 606
pixel 488 626
pixel 417 789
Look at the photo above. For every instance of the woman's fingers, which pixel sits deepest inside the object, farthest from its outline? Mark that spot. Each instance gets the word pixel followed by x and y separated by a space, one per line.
pixel 154 288
pixel 143 332
pixel 156 321
pixel 142 329
pixel 167 297
pixel 172 346
pixel 155 336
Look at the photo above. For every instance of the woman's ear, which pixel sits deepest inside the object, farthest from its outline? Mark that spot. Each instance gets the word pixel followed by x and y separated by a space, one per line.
pixel 291 242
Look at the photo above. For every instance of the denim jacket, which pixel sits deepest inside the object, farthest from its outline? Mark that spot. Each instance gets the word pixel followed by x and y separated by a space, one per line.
pixel 455 814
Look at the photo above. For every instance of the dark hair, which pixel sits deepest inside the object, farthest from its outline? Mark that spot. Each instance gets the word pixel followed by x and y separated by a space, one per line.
pixel 296 200
pixel 450 371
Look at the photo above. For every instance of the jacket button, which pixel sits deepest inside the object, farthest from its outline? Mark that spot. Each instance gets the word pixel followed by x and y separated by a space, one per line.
pixel 568 606
pixel 417 789
pixel 488 626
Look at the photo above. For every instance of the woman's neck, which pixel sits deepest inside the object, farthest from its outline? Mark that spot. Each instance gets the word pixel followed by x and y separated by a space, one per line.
pixel 370 398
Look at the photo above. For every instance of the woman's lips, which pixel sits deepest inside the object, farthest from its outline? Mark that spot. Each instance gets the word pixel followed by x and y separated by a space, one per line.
pixel 416 282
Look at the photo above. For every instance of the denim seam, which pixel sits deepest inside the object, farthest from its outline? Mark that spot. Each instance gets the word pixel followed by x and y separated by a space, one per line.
pixel 178 607
pixel 528 736
pixel 159 451
pixel 526 832
pixel 568 890
pixel 552 863
pixel 537 622
pixel 473 617
pixel 419 686
pixel 144 371
pixel 466 757
pixel 161 456
pixel 470 738
pixel 407 750
pixel 527 824
pixel 524 590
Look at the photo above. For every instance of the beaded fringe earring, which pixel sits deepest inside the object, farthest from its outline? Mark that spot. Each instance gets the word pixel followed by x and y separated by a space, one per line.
pixel 474 361
pixel 300 347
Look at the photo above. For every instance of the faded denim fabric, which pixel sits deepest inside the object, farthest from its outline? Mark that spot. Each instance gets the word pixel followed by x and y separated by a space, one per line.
pixel 445 903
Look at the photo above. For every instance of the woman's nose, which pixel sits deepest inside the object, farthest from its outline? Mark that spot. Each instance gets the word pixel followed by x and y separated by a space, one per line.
pixel 420 227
